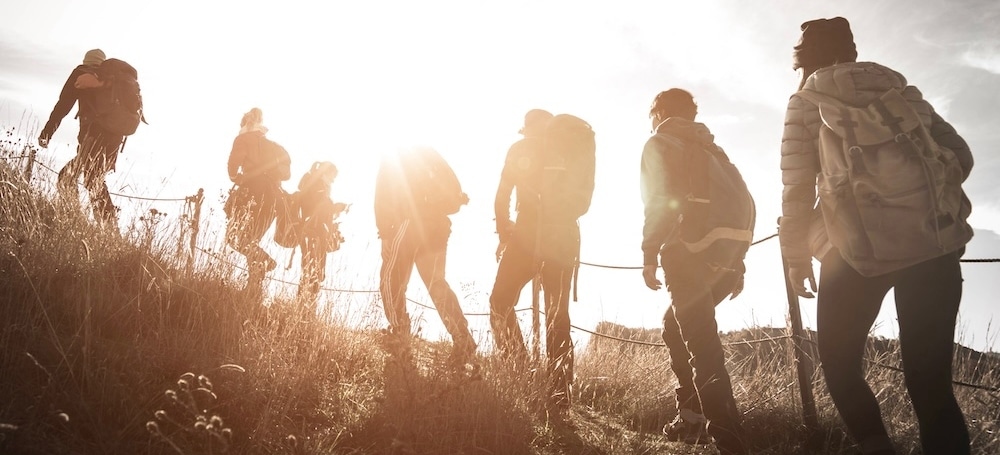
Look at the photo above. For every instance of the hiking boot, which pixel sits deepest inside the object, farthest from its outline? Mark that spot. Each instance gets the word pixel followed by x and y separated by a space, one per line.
pixel 395 343
pixel 688 427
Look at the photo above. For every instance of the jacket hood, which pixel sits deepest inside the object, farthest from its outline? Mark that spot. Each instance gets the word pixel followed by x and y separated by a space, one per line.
pixel 686 130
pixel 855 83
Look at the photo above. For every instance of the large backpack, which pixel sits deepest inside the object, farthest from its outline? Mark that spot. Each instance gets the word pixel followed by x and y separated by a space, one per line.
pixel 569 160
pixel 118 103
pixel 891 196
pixel 433 183
pixel 718 211
pixel 275 163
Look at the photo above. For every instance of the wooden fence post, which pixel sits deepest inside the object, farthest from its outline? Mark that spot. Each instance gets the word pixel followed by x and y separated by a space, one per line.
pixel 803 365
pixel 194 208
pixel 31 164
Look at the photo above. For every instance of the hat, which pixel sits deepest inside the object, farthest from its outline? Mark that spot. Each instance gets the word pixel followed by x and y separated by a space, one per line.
pixel 535 119
pixel 94 57
pixel 824 42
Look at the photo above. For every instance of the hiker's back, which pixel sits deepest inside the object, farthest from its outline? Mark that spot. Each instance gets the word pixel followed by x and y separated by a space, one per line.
pixel 265 162
pixel 891 195
pixel 567 186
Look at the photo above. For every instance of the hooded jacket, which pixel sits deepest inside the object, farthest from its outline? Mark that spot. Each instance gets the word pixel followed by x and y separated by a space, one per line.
pixel 666 186
pixel 857 84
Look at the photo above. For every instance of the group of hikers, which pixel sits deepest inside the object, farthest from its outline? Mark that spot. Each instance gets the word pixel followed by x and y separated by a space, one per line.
pixel 872 189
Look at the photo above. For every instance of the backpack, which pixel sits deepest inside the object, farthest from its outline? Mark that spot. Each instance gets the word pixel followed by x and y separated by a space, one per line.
pixel 118 103
pixel 434 185
pixel 569 164
pixel 288 224
pixel 275 163
pixel 890 195
pixel 718 209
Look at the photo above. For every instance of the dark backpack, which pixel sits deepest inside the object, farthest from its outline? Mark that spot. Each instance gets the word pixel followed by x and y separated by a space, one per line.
pixel 275 163
pixel 118 104
pixel 891 196
pixel 718 205
pixel 435 186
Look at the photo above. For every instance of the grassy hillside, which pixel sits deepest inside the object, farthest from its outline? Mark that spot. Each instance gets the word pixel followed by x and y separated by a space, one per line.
pixel 114 348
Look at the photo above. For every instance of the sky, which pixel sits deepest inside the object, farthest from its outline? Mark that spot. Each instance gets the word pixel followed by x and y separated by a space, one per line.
pixel 347 81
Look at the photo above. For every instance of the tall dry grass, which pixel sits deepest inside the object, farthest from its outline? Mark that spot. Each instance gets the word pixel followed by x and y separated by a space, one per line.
pixel 111 346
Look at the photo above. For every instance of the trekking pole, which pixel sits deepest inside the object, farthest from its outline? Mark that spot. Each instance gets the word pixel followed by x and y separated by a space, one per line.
pixel 803 365
pixel 536 333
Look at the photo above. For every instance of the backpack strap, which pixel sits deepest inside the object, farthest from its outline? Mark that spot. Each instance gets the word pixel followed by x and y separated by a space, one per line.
pixel 854 152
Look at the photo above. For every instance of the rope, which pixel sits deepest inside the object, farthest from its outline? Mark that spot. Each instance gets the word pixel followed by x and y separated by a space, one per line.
pixel 623 267
pixel 127 196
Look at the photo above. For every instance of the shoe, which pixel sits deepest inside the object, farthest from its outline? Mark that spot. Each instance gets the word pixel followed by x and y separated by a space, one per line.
pixel 395 343
pixel 462 354
pixel 688 427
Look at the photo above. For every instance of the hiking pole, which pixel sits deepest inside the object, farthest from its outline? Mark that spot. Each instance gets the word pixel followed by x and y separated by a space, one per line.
pixel 802 362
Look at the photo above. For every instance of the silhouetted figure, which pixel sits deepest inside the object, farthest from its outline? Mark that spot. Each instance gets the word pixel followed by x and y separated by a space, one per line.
pixel 97 149
pixel 699 221
pixel 895 214
pixel 320 232
pixel 415 191
pixel 517 251
pixel 552 169
pixel 257 166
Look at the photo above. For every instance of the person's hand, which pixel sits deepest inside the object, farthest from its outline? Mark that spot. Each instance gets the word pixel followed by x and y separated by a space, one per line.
pixel 649 276
pixel 501 247
pixel 43 141
pixel 797 276
pixel 738 289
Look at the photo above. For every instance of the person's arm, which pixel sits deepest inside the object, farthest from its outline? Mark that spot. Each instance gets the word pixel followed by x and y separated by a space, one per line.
pixel 662 203
pixel 799 168
pixel 236 158
pixel 946 136
pixel 386 207
pixel 501 203
pixel 67 98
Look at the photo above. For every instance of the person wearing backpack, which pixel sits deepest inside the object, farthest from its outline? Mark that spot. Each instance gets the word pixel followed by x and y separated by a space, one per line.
pixel 699 221
pixel 552 169
pixel 257 166
pixel 97 147
pixel 320 233
pixel 517 248
pixel 886 171
pixel 415 192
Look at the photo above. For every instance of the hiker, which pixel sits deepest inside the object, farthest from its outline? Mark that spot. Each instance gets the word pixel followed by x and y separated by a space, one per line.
pixel 320 231
pixel 860 125
pixel 552 169
pixel 97 149
pixel 257 166
pixel 699 221
pixel 415 191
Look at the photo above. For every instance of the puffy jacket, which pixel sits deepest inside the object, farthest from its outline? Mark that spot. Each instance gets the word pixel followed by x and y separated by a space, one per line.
pixel 856 84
